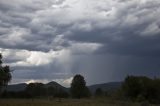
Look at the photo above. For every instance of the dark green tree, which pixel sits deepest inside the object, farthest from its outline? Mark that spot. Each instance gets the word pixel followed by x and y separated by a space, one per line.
pixel 141 88
pixel 51 91
pixel 153 91
pixel 99 92
pixel 36 90
pixel 78 87
pixel 87 92
pixel 60 93
pixel 5 74
pixel 134 86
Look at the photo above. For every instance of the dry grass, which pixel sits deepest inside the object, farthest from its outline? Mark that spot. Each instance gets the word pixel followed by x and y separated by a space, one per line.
pixel 65 102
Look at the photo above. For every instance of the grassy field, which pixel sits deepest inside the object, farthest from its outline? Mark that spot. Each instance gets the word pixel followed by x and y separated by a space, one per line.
pixel 65 102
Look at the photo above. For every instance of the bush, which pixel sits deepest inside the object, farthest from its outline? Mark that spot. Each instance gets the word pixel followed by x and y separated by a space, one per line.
pixel 141 88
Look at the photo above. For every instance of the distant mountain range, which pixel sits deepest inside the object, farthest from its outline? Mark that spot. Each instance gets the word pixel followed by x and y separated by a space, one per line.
pixel 22 86
pixel 105 86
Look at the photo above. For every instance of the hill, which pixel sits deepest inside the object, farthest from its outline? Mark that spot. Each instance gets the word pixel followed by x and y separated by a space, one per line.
pixel 56 85
pixel 22 86
pixel 106 86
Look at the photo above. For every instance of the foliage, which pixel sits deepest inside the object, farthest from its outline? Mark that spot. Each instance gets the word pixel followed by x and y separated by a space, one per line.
pixel 99 92
pixel 141 88
pixel 51 91
pixel 37 90
pixel 5 74
pixel 78 87
pixel 87 92
pixel 60 93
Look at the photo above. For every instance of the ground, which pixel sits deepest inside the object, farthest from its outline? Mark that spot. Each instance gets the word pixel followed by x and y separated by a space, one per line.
pixel 66 102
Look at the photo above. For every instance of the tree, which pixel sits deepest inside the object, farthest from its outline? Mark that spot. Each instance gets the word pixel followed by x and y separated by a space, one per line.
pixel 87 92
pixel 99 92
pixel 60 93
pixel 141 88
pixel 51 91
pixel 78 87
pixel 5 74
pixel 35 89
pixel 134 87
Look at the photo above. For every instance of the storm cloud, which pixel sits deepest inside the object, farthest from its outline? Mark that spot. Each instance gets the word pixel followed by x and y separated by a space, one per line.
pixel 103 40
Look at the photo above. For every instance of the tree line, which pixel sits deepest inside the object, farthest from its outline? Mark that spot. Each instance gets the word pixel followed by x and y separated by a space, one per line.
pixel 78 87
pixel 5 74
pixel 77 90
pixel 134 88
pixel 36 90
pixel 141 88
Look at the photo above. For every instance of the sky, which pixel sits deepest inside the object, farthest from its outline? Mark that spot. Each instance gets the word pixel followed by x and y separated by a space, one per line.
pixel 103 40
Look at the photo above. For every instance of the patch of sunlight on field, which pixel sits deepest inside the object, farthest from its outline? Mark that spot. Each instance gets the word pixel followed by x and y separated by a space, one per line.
pixel 65 102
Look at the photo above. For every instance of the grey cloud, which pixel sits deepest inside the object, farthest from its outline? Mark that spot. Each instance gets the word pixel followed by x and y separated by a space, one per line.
pixel 46 28
pixel 127 30
pixel 102 68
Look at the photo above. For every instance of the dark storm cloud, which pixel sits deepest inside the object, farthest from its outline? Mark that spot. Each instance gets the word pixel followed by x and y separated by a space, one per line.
pixel 21 18
pixel 102 68
pixel 103 40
